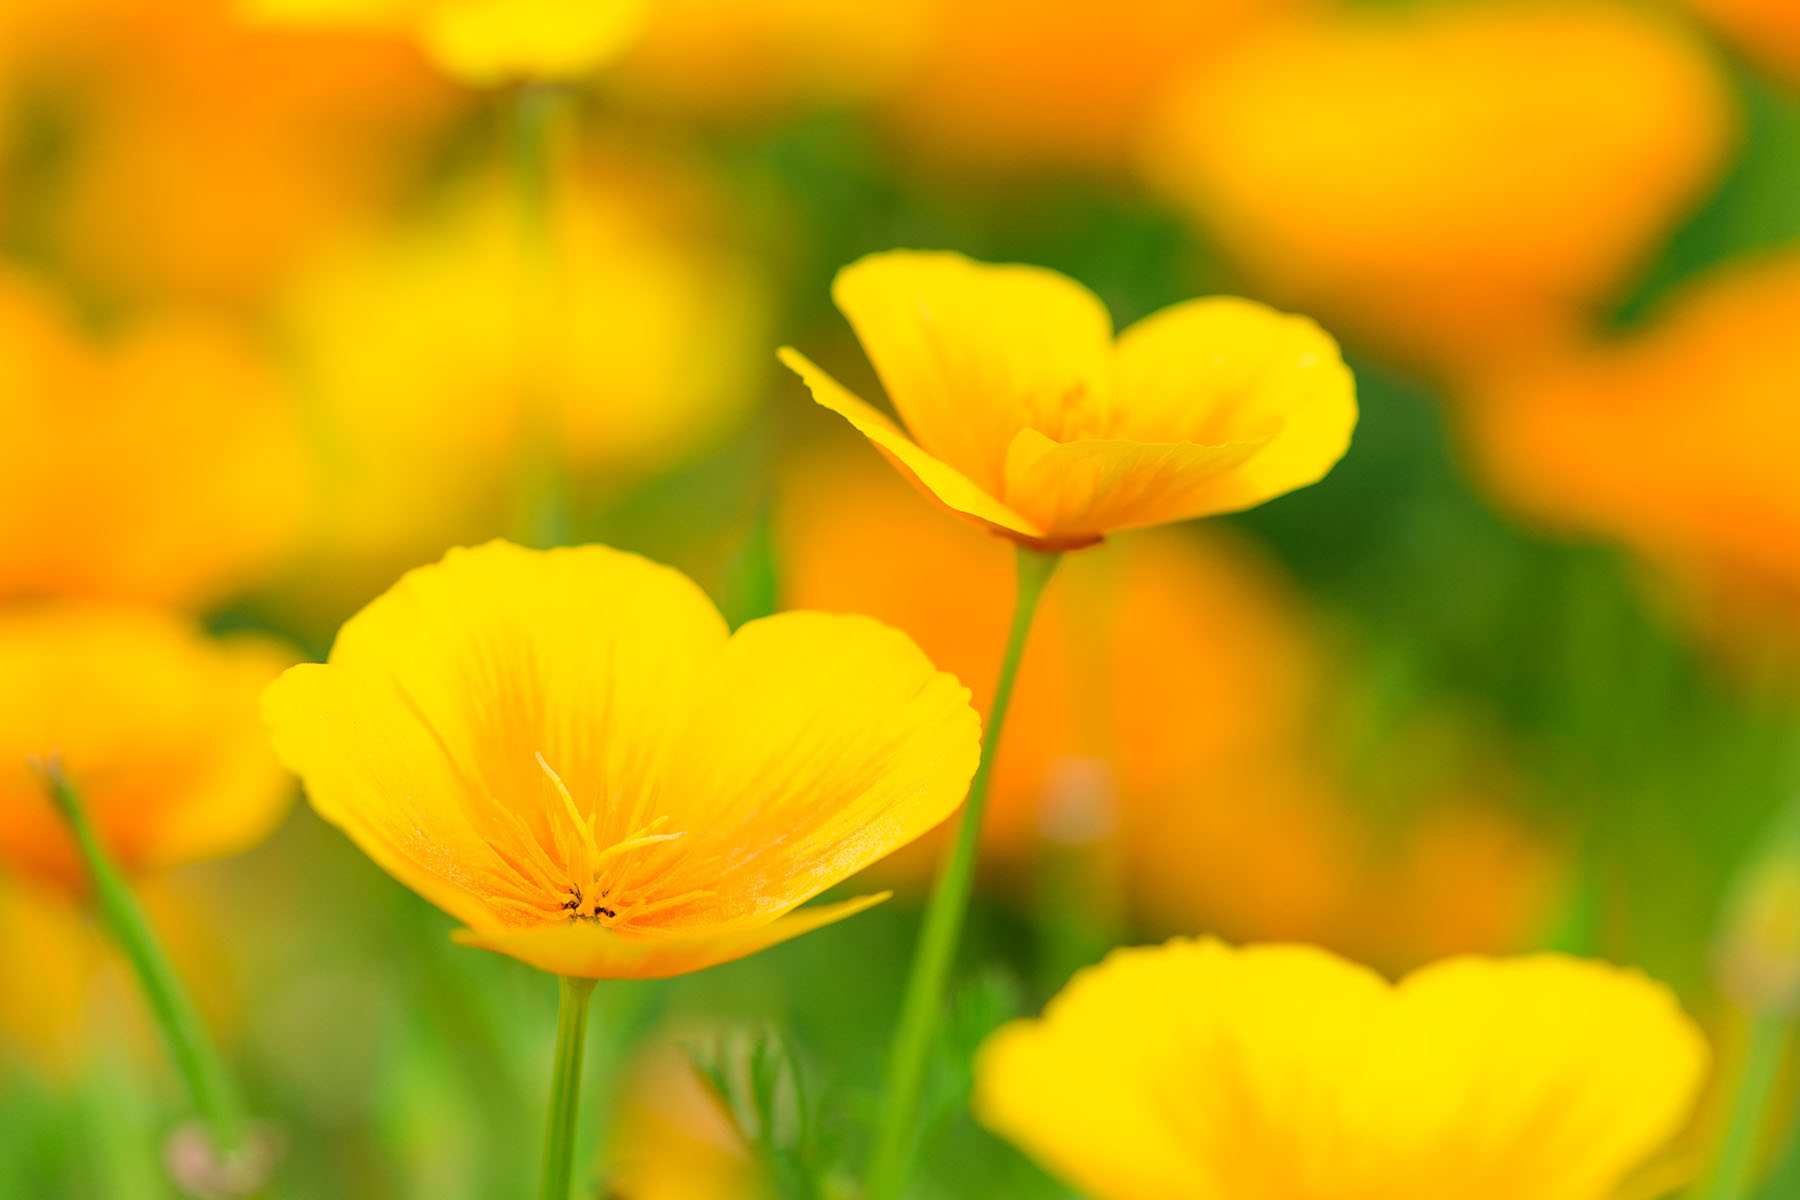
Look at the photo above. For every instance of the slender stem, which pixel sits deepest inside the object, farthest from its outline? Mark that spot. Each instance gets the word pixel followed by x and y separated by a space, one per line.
pixel 936 950
pixel 543 124
pixel 565 1088
pixel 1736 1164
pixel 214 1093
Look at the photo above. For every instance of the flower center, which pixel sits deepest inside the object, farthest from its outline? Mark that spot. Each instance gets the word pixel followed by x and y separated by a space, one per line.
pixel 606 884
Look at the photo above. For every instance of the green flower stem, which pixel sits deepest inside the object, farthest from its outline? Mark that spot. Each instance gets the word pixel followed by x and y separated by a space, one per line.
pixel 214 1093
pixel 565 1088
pixel 1736 1165
pixel 543 124
pixel 922 1006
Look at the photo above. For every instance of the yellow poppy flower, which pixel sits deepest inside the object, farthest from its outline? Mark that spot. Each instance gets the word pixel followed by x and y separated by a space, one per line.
pixel 1193 1071
pixel 566 751
pixel 156 725
pixel 1029 418
pixel 488 41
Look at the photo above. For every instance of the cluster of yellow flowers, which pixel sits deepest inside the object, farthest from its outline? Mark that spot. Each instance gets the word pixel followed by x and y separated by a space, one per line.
pixel 282 401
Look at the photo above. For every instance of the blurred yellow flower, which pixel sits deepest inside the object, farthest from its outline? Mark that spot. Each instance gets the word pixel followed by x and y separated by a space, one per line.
pixel 1057 83
pixel 1455 182
pixel 1172 718
pixel 442 365
pixel 1678 442
pixel 1198 1071
pixel 487 41
pixel 1029 419
pixel 153 721
pixel 566 751
pixel 1768 30
pixel 163 463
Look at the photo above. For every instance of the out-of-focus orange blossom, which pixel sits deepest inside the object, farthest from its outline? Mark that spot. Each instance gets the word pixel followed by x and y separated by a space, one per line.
pixel 1678 441
pixel 202 157
pixel 154 723
pixel 671 1140
pixel 751 58
pixel 1169 713
pixel 445 363
pixel 1456 183
pixel 1768 30
pixel 1058 83
pixel 158 462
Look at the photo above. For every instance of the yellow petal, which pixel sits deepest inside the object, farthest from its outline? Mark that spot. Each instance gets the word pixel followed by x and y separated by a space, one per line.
pixel 937 479
pixel 1196 1071
pixel 592 951
pixel 421 737
pixel 817 744
pixel 1223 370
pixel 1080 491
pixel 970 353
pixel 493 41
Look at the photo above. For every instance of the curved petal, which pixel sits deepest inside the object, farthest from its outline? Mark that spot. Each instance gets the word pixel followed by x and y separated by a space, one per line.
pixel 373 770
pixel 938 480
pixel 817 744
pixel 972 352
pixel 425 729
pixel 1081 491
pixel 1223 370
pixel 588 950
pixel 1197 1071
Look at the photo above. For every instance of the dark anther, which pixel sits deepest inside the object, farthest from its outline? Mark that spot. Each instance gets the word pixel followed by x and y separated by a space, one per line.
pixel 602 911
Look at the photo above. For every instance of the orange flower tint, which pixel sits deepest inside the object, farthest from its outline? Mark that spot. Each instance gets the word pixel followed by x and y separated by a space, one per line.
pixel 1453 182
pixel 1168 715
pixel 1059 83
pixel 1768 30
pixel 161 463
pixel 753 58
pixel 156 724
pixel 205 156
pixel 1678 442
pixel 671 1140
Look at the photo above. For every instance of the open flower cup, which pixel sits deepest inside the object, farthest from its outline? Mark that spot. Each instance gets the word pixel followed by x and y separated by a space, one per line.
pixel 569 752
pixel 1210 1073
pixel 1026 416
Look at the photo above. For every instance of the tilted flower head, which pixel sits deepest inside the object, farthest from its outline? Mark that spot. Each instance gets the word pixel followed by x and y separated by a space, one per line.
pixel 1027 417
pixel 487 41
pixel 567 751
pixel 153 722
pixel 1193 1071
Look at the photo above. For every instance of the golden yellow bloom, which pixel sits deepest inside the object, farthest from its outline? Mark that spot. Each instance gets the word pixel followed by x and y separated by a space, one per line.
pixel 671 1140
pixel 488 41
pixel 163 463
pixel 566 751
pixel 154 722
pixel 1454 181
pixel 437 382
pixel 1029 419
pixel 1677 442
pixel 1193 1071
